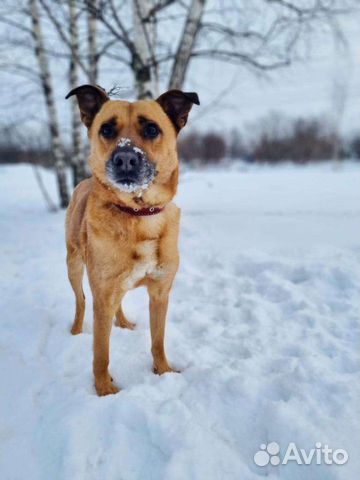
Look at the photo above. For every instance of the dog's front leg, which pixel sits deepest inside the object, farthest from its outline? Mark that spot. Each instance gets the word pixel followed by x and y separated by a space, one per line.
pixel 103 316
pixel 105 299
pixel 159 300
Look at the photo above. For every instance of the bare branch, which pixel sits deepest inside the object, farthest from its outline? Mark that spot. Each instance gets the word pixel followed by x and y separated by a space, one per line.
pixel 63 35
pixel 21 70
pixel 237 57
pixel 51 205
pixel 318 7
pixel 186 44
pixel 14 24
pixel 122 36
pixel 161 5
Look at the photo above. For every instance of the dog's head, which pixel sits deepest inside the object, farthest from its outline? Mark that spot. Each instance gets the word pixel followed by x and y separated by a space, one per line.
pixel 133 145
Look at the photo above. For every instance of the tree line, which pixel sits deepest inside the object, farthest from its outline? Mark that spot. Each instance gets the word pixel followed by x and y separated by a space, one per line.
pixel 273 139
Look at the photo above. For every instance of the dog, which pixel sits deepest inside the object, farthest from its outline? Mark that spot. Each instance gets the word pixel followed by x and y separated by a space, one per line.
pixel 121 223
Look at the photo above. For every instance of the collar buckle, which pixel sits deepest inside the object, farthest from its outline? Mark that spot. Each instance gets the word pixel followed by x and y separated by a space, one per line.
pixel 139 212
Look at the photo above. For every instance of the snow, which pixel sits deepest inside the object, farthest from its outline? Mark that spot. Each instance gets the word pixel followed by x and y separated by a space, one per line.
pixel 138 150
pixel 128 187
pixel 263 323
pixel 124 141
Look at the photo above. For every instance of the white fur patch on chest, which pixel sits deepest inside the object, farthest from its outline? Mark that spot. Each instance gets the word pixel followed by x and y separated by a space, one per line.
pixel 145 266
pixel 140 270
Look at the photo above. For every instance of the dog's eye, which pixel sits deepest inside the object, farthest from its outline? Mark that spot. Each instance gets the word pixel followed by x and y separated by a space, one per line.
pixel 108 130
pixel 151 130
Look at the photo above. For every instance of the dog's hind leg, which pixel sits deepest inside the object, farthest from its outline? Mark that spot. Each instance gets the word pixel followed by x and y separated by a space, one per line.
pixel 76 272
pixel 122 321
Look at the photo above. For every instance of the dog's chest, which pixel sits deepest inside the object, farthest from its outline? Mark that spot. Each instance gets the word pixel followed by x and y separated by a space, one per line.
pixel 145 263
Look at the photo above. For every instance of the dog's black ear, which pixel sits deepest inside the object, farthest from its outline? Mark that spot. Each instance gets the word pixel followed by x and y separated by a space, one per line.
pixel 177 105
pixel 90 100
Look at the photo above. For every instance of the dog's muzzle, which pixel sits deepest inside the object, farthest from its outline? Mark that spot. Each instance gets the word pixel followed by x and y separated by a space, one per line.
pixel 129 169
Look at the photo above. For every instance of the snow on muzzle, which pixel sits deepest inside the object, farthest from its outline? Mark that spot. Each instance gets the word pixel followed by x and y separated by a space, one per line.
pixel 128 168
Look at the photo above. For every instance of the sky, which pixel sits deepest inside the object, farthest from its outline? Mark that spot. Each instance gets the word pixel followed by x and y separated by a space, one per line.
pixel 304 89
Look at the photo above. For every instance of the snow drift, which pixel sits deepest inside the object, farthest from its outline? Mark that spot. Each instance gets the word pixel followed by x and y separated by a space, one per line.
pixel 263 323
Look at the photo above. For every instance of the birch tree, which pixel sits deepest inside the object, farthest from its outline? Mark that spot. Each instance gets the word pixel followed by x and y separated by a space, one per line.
pixel 141 37
pixel 186 44
pixel 48 92
pixel 93 57
pixel 144 58
pixel 84 57
pixel 217 30
pixel 78 159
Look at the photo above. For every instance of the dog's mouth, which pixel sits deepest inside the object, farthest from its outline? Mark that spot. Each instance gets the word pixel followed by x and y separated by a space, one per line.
pixel 128 185
pixel 139 180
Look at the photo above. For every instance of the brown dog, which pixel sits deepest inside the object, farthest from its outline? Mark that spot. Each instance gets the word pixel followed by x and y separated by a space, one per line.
pixel 121 223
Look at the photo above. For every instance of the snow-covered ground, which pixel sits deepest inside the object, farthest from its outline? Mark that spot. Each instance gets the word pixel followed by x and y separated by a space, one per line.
pixel 263 323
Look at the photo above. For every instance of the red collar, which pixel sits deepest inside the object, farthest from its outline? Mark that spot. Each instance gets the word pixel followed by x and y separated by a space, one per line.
pixel 139 212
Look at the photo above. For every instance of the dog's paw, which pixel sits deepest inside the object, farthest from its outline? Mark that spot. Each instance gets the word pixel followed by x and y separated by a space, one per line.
pixel 105 387
pixel 75 330
pixel 161 369
pixel 124 323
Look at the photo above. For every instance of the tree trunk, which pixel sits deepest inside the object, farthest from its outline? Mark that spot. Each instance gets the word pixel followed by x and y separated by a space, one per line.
pixel 51 205
pixel 143 62
pixel 48 92
pixel 92 47
pixel 186 44
pixel 78 157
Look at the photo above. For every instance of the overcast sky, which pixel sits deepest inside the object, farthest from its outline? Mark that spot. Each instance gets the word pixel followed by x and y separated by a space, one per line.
pixel 306 88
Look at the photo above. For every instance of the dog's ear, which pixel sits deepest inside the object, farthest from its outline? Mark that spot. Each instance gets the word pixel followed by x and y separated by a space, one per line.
pixel 90 99
pixel 177 105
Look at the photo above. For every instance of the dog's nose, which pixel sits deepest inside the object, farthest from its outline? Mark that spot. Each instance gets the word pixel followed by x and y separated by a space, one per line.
pixel 126 160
